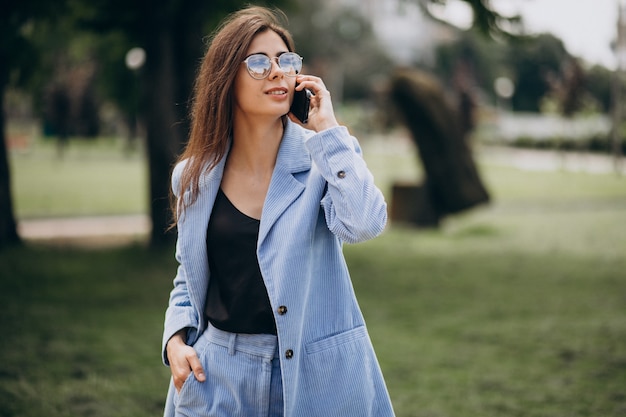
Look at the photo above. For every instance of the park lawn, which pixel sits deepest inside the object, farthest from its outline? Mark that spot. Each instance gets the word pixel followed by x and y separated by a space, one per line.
pixel 92 177
pixel 512 309
pixel 469 322
pixel 81 331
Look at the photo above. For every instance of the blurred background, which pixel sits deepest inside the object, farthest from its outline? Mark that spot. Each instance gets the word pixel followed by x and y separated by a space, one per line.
pixel 118 74
pixel 494 128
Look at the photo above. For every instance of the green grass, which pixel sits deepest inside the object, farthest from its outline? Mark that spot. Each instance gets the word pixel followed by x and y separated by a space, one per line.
pixel 514 309
pixel 90 178
pixel 469 322
pixel 81 331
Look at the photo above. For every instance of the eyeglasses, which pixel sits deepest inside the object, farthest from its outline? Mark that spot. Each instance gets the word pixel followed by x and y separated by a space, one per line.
pixel 260 65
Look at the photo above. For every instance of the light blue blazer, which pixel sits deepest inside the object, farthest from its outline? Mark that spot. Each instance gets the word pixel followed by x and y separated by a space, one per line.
pixel 321 195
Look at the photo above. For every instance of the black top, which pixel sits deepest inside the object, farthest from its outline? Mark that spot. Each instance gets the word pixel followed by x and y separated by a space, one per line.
pixel 237 299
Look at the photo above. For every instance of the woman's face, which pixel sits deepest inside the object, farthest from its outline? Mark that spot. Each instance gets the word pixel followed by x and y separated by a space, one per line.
pixel 271 96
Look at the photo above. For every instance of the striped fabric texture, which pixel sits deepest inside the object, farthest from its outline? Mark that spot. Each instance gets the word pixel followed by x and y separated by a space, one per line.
pixel 321 196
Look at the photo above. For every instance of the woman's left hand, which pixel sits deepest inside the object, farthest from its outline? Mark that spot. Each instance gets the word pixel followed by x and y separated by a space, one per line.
pixel 321 113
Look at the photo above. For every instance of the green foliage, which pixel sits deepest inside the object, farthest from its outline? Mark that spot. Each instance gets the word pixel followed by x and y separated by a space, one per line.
pixel 339 45
pixel 535 59
pixel 595 143
pixel 539 66
pixel 18 21
pixel 599 85
pixel 486 19
pixel 482 57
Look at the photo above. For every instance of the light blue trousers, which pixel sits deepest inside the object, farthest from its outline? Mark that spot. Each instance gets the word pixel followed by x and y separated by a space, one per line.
pixel 243 377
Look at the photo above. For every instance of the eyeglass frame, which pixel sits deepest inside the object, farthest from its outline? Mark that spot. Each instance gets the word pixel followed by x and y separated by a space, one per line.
pixel 277 58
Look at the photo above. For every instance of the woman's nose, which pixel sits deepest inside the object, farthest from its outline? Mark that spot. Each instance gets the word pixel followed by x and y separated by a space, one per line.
pixel 276 69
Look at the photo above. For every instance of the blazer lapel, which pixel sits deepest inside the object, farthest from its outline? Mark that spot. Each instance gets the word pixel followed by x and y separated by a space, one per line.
pixel 293 157
pixel 192 238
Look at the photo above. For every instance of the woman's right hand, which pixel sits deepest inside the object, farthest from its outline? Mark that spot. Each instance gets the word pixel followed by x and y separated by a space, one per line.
pixel 321 114
pixel 183 360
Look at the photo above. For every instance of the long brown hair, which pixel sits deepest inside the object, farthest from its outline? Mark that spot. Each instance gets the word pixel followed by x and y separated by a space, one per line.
pixel 212 103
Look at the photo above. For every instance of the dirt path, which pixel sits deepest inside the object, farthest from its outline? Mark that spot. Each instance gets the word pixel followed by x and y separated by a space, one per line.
pixel 102 228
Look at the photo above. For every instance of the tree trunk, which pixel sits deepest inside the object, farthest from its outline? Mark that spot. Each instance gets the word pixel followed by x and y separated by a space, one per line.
pixel 412 204
pixel 452 181
pixel 8 227
pixel 163 131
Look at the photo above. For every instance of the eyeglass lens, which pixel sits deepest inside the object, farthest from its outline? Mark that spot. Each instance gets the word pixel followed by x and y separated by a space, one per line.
pixel 259 65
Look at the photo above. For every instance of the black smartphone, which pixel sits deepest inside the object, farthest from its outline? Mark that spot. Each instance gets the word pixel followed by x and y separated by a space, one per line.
pixel 301 104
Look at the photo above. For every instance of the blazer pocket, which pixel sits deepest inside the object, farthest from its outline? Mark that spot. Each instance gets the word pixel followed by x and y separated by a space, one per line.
pixel 336 340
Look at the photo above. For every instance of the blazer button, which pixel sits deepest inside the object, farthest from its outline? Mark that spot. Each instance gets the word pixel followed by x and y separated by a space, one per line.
pixel 282 310
pixel 289 354
pixel 341 174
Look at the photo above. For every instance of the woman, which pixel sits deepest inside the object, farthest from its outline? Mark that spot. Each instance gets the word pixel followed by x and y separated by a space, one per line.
pixel 263 320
